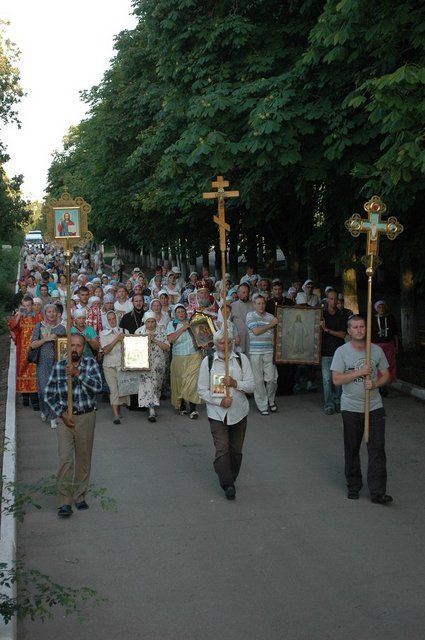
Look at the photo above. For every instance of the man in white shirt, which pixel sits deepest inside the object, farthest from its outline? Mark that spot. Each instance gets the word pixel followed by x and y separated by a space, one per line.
pixel 122 304
pixel 261 344
pixel 227 416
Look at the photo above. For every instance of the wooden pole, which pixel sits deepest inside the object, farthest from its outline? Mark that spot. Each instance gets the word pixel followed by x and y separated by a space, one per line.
pixel 369 273
pixel 220 220
pixel 68 322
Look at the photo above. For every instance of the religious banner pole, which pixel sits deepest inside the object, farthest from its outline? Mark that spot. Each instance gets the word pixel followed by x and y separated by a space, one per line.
pixel 373 227
pixel 223 226
pixel 67 227
pixel 68 320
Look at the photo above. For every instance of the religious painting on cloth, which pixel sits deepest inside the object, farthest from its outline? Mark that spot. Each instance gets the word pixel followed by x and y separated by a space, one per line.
pixel 298 335
pixel 202 329
pixel 136 353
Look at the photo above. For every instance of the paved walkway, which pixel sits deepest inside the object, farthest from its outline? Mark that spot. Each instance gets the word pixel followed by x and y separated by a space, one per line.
pixel 290 559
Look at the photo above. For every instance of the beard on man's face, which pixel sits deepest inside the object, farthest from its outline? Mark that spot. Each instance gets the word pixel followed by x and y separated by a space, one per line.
pixel 74 356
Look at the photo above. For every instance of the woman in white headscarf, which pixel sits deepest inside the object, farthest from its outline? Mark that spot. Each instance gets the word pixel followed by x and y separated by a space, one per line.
pixel 150 384
pixel 111 343
pixel 108 305
pixel 161 316
pixel 184 365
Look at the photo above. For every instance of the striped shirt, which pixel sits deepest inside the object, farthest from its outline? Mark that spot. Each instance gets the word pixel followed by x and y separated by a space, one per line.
pixel 84 387
pixel 183 346
pixel 264 342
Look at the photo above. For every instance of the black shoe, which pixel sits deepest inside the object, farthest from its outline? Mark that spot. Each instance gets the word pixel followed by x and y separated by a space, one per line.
pixel 230 492
pixel 382 499
pixel 116 421
pixel 353 495
pixel 36 407
pixel 65 511
pixel 81 506
pixel 25 401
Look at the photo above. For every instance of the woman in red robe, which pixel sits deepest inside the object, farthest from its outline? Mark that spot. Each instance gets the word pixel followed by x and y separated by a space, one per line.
pixel 21 326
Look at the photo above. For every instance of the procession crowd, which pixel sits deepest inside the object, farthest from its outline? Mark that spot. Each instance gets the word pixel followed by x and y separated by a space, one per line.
pixel 183 323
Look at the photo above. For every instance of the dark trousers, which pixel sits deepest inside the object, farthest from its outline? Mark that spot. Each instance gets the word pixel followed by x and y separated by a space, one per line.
pixel 228 443
pixel 353 435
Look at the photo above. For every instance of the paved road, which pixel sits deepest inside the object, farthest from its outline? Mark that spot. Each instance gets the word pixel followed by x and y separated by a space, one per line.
pixel 290 559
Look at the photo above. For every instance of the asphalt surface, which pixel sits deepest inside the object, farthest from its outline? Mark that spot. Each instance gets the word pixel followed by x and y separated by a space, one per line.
pixel 290 559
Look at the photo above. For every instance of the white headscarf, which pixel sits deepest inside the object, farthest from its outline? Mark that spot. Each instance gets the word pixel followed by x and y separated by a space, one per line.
pixel 108 330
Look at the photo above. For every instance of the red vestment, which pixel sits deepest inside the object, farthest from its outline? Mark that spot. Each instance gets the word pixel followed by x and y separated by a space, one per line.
pixel 21 329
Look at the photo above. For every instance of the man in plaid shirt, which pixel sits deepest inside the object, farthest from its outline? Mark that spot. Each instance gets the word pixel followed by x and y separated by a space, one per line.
pixel 75 435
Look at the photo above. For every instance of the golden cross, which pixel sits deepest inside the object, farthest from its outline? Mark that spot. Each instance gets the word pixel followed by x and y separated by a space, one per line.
pixel 374 226
pixel 221 194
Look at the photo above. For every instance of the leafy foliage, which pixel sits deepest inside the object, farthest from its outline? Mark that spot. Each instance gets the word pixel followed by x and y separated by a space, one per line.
pixel 13 209
pixel 38 594
pixel 16 497
pixel 308 107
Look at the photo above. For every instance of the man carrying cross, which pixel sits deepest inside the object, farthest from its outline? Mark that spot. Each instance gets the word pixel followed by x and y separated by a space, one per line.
pixel 350 370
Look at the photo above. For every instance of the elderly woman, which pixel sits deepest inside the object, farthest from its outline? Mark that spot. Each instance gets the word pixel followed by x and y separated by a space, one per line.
pixel 150 384
pixel 111 342
pixel 44 338
pixel 90 335
pixel 108 305
pixel 184 364
pixel 161 316
pixel 385 335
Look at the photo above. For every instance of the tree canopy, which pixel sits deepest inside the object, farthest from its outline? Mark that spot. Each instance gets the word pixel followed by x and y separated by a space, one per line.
pixel 308 107
pixel 13 210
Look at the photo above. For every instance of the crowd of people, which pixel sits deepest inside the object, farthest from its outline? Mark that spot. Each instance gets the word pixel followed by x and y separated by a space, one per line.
pixel 106 306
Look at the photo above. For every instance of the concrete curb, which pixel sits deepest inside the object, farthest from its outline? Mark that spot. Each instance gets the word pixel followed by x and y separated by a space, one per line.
pixel 8 529
pixel 409 389
pixel 8 522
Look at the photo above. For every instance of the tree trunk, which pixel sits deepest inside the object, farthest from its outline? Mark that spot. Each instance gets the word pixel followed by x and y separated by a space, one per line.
pixel 270 255
pixel 251 250
pixel 233 253
pixel 407 305
pixel 206 260
pixel 349 281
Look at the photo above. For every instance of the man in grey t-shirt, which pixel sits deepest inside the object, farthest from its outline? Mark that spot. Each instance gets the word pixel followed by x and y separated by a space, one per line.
pixel 349 370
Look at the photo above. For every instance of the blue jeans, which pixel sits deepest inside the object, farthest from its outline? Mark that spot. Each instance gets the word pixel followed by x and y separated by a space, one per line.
pixel 331 393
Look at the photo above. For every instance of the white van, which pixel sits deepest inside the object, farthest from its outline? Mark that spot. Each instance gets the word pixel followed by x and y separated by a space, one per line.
pixel 34 237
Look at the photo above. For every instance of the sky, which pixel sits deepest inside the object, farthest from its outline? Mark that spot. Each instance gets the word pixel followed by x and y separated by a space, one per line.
pixel 65 48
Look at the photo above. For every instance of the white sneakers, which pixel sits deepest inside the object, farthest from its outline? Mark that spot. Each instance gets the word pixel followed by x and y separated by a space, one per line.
pixel 54 423
pixel 43 417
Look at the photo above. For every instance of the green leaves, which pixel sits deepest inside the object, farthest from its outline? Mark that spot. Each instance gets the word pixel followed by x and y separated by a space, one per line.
pixel 302 103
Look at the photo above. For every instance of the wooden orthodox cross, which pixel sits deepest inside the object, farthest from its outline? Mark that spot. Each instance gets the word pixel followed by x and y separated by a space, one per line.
pixel 224 227
pixel 374 227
